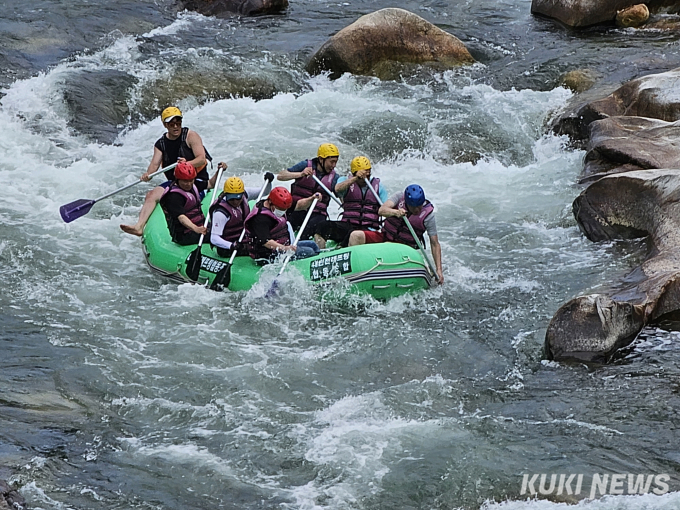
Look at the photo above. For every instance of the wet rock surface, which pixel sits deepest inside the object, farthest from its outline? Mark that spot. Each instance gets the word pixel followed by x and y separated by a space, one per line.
pixel 380 43
pixel 582 13
pixel 230 7
pixel 10 498
pixel 656 96
pixel 631 143
pixel 634 16
pixel 632 169
pixel 633 204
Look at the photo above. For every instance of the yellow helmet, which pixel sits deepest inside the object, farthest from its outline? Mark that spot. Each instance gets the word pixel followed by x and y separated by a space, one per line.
pixel 327 150
pixel 170 113
pixel 360 163
pixel 234 186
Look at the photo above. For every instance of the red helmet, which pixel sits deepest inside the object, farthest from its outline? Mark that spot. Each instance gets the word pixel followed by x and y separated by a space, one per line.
pixel 185 171
pixel 281 198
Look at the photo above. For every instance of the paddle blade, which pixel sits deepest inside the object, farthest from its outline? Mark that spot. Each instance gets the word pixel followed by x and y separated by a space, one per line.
pixel 194 264
pixel 222 278
pixel 273 290
pixel 75 210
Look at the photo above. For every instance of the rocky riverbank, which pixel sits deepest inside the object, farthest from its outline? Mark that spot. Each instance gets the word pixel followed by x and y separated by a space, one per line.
pixel 11 499
pixel 632 172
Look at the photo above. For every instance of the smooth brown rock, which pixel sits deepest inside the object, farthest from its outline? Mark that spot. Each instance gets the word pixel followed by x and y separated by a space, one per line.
pixel 375 42
pixel 582 13
pixel 636 143
pixel 242 7
pixel 655 96
pixel 636 204
pixel 591 328
pixel 634 16
pixel 579 13
pixel 578 80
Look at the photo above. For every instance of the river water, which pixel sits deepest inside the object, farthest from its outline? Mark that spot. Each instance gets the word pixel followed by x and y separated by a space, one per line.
pixel 123 390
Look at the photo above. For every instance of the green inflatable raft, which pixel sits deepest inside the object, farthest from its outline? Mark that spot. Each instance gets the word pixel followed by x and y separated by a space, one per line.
pixel 384 270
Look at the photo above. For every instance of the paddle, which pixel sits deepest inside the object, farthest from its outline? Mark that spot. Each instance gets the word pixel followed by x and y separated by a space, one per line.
pixel 323 186
pixel 223 277
pixel 194 260
pixel 74 210
pixel 415 237
pixel 274 285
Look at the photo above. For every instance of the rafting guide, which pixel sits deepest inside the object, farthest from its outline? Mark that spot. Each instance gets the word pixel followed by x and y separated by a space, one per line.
pixel 599 484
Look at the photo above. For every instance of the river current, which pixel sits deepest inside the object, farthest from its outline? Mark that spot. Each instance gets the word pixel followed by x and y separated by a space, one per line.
pixel 124 390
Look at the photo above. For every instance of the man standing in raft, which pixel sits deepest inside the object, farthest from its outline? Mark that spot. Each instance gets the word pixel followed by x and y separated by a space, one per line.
pixel 177 145
pixel 181 203
pixel 268 231
pixel 323 167
pixel 409 204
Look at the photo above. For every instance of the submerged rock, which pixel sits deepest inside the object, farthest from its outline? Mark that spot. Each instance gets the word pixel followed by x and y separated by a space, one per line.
pixel 591 328
pixel 97 102
pixel 635 204
pixel 578 80
pixel 377 43
pixel 634 16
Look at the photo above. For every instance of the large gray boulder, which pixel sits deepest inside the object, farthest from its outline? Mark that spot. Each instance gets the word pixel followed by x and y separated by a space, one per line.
pixel 644 203
pixel 373 44
pixel 581 13
pixel 242 7
pixel 656 96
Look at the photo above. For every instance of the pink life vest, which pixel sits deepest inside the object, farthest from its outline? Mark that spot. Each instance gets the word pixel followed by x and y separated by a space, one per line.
pixel 306 186
pixel 278 233
pixel 361 209
pixel 237 215
pixel 395 228
pixel 192 208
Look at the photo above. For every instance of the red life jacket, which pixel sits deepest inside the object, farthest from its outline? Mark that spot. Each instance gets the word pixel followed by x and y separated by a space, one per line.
pixel 278 233
pixel 395 228
pixel 192 209
pixel 306 186
pixel 361 209
pixel 237 216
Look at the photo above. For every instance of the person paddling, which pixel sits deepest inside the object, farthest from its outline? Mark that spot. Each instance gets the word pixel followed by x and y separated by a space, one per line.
pixel 323 167
pixel 181 203
pixel 412 205
pixel 268 232
pixel 230 212
pixel 179 144
pixel 359 205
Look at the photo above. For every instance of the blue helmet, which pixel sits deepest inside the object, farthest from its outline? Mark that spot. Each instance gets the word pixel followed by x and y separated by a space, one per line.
pixel 414 195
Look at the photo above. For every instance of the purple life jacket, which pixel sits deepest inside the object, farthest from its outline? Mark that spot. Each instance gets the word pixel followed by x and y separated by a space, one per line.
pixel 361 209
pixel 396 231
pixel 192 209
pixel 306 186
pixel 237 216
pixel 278 233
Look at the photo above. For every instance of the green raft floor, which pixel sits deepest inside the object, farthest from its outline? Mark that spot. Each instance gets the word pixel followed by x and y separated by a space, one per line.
pixel 383 270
